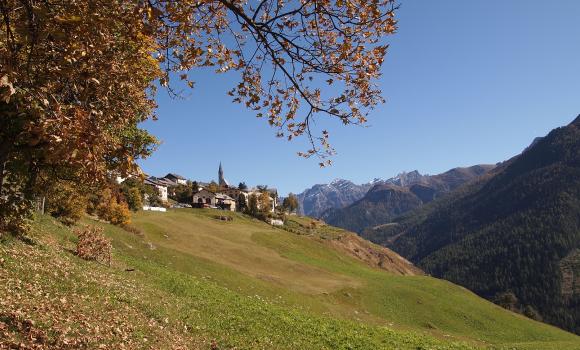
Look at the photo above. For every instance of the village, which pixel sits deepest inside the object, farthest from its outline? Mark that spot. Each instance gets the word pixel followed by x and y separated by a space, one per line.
pixel 176 191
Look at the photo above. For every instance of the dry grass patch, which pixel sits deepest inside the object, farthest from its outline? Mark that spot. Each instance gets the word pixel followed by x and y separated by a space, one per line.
pixel 52 300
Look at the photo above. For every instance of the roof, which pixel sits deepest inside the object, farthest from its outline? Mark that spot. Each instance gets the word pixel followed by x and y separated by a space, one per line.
pixel 255 189
pixel 177 176
pixel 162 181
pixel 223 196
pixel 217 195
pixel 153 181
pixel 167 182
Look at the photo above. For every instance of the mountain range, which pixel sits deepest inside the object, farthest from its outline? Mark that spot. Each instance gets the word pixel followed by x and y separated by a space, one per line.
pixel 337 194
pixel 319 200
pixel 512 235
pixel 387 199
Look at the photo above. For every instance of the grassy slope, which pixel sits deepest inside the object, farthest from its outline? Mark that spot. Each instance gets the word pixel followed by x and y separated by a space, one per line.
pixel 247 285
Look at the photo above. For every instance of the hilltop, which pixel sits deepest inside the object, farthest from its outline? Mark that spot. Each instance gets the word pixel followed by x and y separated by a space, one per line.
pixel 190 279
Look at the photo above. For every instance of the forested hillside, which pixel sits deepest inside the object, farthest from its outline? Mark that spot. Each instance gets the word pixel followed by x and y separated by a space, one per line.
pixel 381 204
pixel 512 237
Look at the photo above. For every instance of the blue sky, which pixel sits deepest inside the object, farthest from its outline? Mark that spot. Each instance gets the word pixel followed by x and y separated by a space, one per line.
pixel 466 82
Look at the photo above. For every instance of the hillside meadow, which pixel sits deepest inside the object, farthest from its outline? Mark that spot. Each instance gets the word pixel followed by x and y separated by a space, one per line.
pixel 191 281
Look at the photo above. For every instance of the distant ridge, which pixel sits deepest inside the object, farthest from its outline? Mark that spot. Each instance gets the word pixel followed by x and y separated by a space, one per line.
pixel 398 195
pixel 323 199
pixel 339 193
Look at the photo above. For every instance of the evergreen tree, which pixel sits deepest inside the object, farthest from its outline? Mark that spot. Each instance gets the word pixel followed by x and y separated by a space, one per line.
pixel 194 187
pixel 252 205
pixel 242 205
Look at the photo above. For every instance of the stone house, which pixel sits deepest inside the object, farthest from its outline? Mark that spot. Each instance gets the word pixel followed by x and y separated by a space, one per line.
pixel 178 179
pixel 161 187
pixel 208 199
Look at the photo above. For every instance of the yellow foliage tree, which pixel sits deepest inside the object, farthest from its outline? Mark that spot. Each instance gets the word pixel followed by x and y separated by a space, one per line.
pixel 113 210
pixel 265 202
pixel 77 77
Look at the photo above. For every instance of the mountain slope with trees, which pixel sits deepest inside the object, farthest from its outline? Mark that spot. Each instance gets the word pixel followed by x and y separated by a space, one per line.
pixel 512 237
pixel 378 206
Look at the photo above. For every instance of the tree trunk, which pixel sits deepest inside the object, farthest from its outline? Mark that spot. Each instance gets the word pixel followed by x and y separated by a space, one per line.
pixel 29 189
pixel 5 149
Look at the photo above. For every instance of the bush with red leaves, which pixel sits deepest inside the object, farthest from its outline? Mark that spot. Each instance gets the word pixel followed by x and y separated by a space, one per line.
pixel 93 245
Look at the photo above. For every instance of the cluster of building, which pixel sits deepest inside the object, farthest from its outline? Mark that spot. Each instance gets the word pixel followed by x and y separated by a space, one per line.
pixel 227 197
pixel 163 184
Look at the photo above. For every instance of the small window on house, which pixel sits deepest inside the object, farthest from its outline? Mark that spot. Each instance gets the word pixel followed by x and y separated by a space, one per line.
pixel 200 201
pixel 207 201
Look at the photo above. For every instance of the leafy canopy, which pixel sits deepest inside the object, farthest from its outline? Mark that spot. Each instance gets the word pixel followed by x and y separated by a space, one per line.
pixel 286 52
pixel 77 77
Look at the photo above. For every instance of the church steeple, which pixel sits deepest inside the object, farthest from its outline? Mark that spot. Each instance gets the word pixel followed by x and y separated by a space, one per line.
pixel 221 179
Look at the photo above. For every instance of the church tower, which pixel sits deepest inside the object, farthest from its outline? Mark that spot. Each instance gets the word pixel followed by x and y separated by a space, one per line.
pixel 221 179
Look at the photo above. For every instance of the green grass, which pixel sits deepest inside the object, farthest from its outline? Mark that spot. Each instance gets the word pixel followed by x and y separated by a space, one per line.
pixel 252 286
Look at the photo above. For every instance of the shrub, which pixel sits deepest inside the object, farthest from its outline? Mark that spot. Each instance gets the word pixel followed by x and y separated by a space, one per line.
pixel 532 313
pixel 65 203
pixel 133 198
pixel 120 214
pixel 183 194
pixel 132 229
pixel 507 300
pixel 14 214
pixel 93 201
pixel 103 207
pixel 93 245
pixel 112 210
pixel 262 216
pixel 252 208
pixel 153 199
